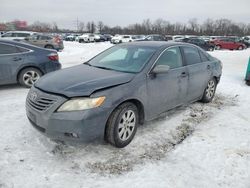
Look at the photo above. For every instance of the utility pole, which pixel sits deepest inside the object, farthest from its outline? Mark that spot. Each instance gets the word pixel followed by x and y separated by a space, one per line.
pixel 77 24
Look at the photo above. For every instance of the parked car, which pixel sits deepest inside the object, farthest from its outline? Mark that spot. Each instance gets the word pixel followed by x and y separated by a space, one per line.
pixel 201 43
pixel 99 38
pixel 153 38
pixel 24 63
pixel 122 38
pixel 46 41
pixel 17 35
pixel 229 43
pixel 246 41
pixel 107 37
pixel 116 39
pixel 138 37
pixel 118 89
pixel 87 37
pixel 72 37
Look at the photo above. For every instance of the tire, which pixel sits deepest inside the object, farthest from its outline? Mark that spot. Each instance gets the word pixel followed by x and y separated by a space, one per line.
pixel 211 49
pixel 248 82
pixel 122 125
pixel 240 48
pixel 217 47
pixel 209 92
pixel 28 76
pixel 49 47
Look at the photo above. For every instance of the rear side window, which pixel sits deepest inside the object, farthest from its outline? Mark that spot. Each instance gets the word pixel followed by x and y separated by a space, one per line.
pixel 20 49
pixel 21 34
pixel 45 38
pixel 171 57
pixel 192 55
pixel 7 49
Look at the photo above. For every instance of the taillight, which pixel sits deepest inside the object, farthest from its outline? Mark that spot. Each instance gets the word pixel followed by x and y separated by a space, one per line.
pixel 57 40
pixel 53 57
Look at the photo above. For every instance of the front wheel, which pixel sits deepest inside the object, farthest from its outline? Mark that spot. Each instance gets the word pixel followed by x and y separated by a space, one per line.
pixel 209 92
pixel 49 47
pixel 211 49
pixel 122 125
pixel 27 77
pixel 217 47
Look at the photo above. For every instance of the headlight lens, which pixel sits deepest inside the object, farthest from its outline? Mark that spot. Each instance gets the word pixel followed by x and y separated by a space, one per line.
pixel 81 103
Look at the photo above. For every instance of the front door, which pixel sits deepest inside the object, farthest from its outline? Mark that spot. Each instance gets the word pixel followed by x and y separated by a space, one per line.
pixel 167 90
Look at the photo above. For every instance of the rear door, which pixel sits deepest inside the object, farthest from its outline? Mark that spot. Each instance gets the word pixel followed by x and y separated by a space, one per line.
pixel 167 90
pixel 199 71
pixel 11 57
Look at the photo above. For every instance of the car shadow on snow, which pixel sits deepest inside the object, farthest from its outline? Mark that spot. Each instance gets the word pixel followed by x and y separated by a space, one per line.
pixel 152 142
pixel 12 87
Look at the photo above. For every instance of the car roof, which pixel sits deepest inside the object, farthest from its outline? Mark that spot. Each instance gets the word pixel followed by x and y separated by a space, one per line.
pixel 21 32
pixel 154 44
pixel 23 44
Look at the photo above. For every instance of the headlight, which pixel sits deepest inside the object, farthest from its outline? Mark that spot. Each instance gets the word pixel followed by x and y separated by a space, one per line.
pixel 82 103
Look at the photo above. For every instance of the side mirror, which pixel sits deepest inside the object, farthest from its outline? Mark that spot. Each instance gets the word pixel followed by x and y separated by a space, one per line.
pixel 26 38
pixel 161 69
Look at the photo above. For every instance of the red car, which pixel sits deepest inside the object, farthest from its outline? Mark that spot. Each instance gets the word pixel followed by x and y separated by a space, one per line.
pixel 229 43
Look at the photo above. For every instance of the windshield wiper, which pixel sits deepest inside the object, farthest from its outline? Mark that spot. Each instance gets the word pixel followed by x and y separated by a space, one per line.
pixel 100 67
pixel 87 63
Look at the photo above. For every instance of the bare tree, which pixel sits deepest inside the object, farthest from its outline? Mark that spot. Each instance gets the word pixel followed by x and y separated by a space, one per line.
pixel 100 26
pixel 81 26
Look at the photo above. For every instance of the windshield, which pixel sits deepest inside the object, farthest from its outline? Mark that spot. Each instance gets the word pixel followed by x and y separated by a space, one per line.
pixel 123 58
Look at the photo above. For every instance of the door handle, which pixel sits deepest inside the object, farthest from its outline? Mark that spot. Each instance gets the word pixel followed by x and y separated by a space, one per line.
pixel 183 74
pixel 17 59
pixel 208 67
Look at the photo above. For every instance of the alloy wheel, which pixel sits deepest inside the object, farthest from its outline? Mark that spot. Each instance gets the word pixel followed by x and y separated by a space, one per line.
pixel 210 89
pixel 30 77
pixel 126 125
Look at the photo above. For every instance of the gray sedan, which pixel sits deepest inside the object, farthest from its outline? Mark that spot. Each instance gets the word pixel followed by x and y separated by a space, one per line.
pixel 25 64
pixel 111 94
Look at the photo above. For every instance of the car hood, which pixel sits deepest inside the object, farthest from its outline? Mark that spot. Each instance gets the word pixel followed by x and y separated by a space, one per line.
pixel 81 80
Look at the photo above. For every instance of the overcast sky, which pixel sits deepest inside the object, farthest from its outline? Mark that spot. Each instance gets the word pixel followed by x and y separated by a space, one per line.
pixel 122 12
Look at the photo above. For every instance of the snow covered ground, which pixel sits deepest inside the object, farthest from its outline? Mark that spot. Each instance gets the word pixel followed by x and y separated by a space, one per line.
pixel 194 146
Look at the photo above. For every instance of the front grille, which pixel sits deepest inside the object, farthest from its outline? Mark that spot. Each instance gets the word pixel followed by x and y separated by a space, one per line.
pixel 40 103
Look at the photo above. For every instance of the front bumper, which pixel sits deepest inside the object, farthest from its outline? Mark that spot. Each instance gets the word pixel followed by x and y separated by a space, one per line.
pixel 78 125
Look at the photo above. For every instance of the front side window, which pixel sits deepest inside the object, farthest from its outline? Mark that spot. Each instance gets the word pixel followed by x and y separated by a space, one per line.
pixel 123 58
pixel 171 57
pixel 192 55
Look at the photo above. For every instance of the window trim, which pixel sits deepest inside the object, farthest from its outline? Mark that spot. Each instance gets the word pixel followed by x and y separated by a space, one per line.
pixel 16 46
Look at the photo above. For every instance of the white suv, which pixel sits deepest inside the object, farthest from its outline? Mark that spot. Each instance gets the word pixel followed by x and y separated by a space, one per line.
pixel 86 37
pixel 122 38
pixel 17 35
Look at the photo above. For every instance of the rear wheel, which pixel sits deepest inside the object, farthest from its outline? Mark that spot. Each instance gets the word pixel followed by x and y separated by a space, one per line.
pixel 209 92
pixel 248 82
pixel 28 76
pixel 122 125
pixel 240 48
pixel 49 47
